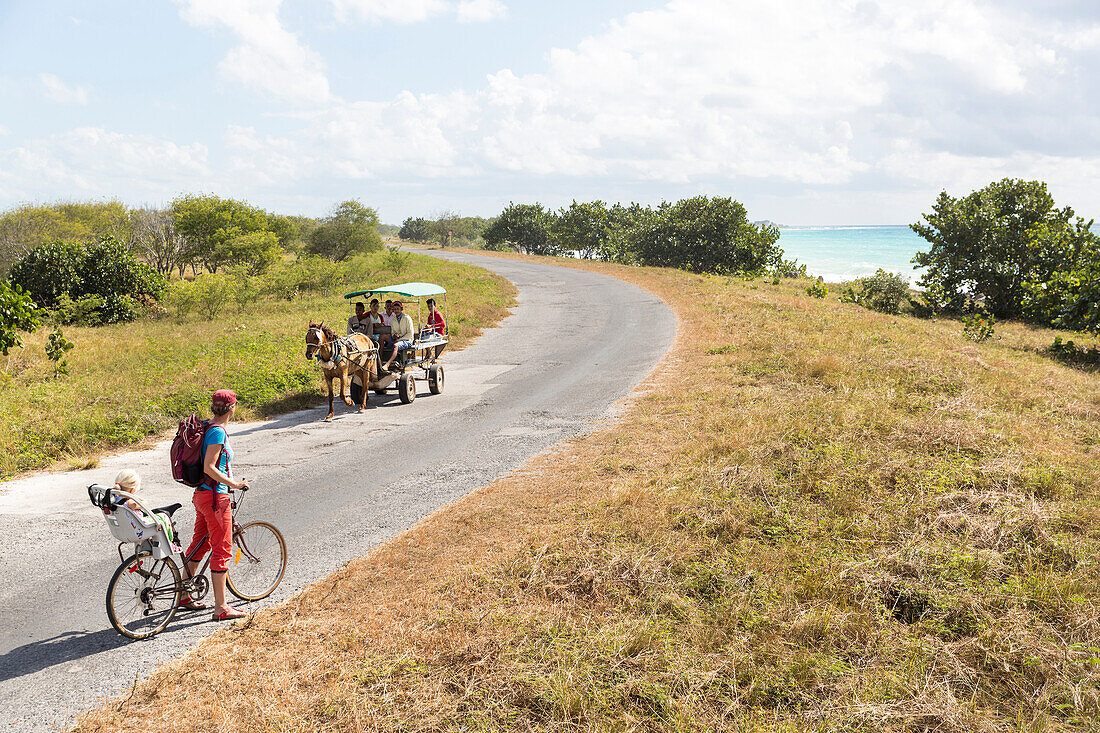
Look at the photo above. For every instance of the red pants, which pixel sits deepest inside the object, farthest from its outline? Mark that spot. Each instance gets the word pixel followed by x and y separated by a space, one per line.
pixel 218 522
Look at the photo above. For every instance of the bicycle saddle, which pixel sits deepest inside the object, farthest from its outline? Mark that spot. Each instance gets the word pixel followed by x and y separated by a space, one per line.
pixel 169 510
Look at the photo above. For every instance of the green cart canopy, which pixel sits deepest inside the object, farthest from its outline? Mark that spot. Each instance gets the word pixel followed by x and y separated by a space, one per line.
pixel 406 290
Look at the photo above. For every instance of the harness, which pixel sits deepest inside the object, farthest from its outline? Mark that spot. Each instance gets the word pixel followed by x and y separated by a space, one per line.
pixel 340 349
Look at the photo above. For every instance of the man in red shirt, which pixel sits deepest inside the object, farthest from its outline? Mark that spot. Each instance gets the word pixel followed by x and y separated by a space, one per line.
pixel 436 324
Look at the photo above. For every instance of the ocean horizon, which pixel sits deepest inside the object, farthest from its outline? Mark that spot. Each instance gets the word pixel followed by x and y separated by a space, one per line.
pixel 841 253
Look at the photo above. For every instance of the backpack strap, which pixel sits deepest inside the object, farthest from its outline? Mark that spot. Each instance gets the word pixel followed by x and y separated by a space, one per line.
pixel 213 485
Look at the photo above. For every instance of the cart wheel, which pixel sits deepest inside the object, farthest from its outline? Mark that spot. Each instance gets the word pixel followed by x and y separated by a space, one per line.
pixel 435 378
pixel 356 393
pixel 406 388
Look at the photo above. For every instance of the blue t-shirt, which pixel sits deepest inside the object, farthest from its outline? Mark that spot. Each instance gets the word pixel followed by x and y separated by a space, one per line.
pixel 215 435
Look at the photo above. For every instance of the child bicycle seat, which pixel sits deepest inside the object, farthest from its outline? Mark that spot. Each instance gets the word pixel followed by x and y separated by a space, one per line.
pixel 151 529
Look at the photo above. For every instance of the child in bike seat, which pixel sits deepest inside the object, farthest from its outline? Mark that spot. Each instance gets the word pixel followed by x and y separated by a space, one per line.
pixel 129 480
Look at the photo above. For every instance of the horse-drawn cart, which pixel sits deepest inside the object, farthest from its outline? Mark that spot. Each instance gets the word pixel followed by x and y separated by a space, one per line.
pixel 364 360
pixel 417 362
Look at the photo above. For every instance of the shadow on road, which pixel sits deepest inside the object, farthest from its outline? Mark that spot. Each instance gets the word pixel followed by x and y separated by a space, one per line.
pixel 74 645
pixel 316 415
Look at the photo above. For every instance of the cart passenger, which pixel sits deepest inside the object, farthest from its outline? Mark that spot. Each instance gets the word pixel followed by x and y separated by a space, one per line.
pixel 376 320
pixel 360 322
pixel 436 324
pixel 402 332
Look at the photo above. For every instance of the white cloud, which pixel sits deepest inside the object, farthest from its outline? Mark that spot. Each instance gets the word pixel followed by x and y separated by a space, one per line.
pixel 94 162
pixel 58 91
pixel 270 58
pixel 834 106
pixel 417 11
pixel 480 11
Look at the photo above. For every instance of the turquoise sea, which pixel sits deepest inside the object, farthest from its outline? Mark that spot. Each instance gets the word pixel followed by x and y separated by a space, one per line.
pixel 845 253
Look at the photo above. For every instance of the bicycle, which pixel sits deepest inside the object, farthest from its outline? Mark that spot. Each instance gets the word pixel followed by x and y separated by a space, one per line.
pixel 144 593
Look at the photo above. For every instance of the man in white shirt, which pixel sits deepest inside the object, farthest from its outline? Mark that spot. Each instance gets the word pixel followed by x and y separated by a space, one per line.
pixel 401 332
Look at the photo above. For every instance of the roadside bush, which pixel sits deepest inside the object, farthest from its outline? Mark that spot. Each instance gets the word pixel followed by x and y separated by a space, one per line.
pixel 395 260
pixel 68 277
pixel 84 311
pixel 1008 246
pixel 56 348
pixel 883 292
pixel 789 269
pixel 17 313
pixel 817 288
pixel 1070 352
pixel 703 234
pixel 212 293
pixel 49 271
pixel 181 299
pixel 978 327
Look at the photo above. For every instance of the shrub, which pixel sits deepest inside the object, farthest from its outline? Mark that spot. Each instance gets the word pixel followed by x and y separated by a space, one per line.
pixel 978 327
pixel 212 293
pixel 789 269
pixel 817 288
pixel 118 309
pixel 1002 244
pixel 84 311
pixel 49 271
pixel 60 274
pixel 1070 352
pixel 56 347
pixel 883 292
pixel 703 234
pixel 395 260
pixel 17 313
pixel 181 299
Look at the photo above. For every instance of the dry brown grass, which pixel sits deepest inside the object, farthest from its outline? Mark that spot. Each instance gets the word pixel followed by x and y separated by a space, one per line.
pixel 812 517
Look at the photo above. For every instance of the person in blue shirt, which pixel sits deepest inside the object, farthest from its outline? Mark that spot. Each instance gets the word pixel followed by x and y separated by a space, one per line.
pixel 213 506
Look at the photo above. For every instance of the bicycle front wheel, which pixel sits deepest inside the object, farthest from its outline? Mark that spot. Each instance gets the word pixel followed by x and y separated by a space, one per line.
pixel 143 595
pixel 258 562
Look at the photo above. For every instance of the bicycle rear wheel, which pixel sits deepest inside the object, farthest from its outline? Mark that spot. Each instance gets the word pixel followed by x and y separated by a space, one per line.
pixel 143 595
pixel 258 562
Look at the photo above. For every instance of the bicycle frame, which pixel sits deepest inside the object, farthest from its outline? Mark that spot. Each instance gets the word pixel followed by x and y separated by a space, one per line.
pixel 188 584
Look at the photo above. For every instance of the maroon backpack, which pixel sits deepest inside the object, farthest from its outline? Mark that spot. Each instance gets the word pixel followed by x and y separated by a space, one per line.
pixel 186 451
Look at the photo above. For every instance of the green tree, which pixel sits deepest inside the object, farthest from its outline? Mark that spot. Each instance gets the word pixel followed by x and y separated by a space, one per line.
pixel 583 228
pixel 987 246
pixel 1070 296
pixel 415 230
pixel 350 229
pixel 704 234
pixel 218 232
pixel 17 313
pixel 524 227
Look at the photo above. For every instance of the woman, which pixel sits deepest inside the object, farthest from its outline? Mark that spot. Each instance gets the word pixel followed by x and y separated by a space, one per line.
pixel 213 510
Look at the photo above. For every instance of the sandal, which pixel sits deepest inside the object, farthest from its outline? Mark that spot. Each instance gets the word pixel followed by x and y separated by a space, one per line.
pixel 229 614
pixel 190 604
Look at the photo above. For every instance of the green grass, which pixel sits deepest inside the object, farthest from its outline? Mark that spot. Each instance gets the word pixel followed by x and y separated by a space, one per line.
pixel 131 382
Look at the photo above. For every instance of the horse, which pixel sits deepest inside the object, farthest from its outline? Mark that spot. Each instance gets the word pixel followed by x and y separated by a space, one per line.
pixel 342 357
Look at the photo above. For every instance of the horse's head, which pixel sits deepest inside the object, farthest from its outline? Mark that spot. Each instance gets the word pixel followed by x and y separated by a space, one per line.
pixel 315 339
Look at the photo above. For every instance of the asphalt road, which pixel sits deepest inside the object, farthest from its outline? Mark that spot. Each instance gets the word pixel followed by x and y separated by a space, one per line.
pixel 576 343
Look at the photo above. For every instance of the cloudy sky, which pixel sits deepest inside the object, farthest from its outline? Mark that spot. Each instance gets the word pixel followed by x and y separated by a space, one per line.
pixel 808 111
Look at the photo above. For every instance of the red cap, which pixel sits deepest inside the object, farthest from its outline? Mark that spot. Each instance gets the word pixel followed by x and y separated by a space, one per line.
pixel 222 399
